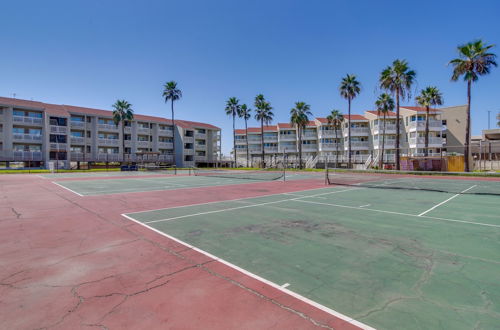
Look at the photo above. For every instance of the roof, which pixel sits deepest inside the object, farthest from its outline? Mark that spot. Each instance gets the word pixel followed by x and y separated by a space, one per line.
pixel 271 128
pixel 389 113
pixel 354 117
pixel 285 125
pixel 419 109
pixel 67 110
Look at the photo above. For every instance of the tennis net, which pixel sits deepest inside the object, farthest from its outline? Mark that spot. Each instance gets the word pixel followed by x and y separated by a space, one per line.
pixel 264 175
pixel 418 181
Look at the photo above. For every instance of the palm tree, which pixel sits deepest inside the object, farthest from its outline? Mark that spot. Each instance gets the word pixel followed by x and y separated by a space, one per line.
pixel 398 79
pixel 384 104
pixel 429 97
pixel 498 119
pixel 263 114
pixel 172 93
pixel 349 89
pixel 299 118
pixel 122 112
pixel 245 113
pixel 335 119
pixel 474 60
pixel 233 109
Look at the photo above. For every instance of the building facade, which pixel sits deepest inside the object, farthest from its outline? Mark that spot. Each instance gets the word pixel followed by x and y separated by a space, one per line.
pixel 321 140
pixel 40 133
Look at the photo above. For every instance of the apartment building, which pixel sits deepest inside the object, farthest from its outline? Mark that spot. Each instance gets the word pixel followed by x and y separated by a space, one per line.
pixel 320 139
pixel 40 133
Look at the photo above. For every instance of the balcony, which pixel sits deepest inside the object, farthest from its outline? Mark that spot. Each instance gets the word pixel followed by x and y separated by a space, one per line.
pixel 287 149
pixel 309 147
pixel 58 129
pixel 310 136
pixel 143 144
pixel 271 138
pixel 165 145
pixel 389 129
pixel 21 155
pixel 391 144
pixel 201 136
pixel 241 142
pixel 330 146
pixel 107 127
pixel 27 120
pixel 108 142
pixel 27 137
pixel 143 130
pixel 329 133
pixel 420 125
pixel 188 139
pixel 77 140
pixel 357 131
pixel 80 156
pixel 166 158
pixel 253 140
pixel 165 132
pixel 200 158
pixel 58 146
pixel 106 157
pixel 188 151
pixel 255 150
pixel 288 137
pixel 357 145
pixel 421 140
pixel 200 146
pixel 270 150
pixel 77 124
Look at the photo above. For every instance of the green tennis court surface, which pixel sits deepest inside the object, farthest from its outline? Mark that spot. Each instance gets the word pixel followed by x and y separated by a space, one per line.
pixel 65 175
pixel 388 258
pixel 136 184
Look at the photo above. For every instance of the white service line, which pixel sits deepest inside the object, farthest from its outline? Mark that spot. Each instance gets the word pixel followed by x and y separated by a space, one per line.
pixel 399 213
pixel 449 199
pixel 261 279
pixel 286 285
pixel 244 207
pixel 74 192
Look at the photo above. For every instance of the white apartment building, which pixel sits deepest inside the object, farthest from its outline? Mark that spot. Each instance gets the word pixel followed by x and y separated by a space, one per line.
pixel 320 139
pixel 38 133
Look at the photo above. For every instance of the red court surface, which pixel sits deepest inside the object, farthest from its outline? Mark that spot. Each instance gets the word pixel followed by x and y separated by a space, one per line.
pixel 71 262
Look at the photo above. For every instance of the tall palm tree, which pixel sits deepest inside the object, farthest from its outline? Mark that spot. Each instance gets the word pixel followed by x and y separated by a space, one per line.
pixel 474 60
pixel 398 79
pixel 263 114
pixel 349 89
pixel 335 118
pixel 498 119
pixel 233 109
pixel 384 104
pixel 299 117
pixel 245 113
pixel 122 112
pixel 172 93
pixel 429 97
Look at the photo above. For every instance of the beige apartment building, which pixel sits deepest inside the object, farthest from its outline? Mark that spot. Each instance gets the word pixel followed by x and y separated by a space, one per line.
pixel 320 140
pixel 39 133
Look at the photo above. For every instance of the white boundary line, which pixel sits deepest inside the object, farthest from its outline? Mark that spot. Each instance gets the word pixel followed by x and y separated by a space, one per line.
pixel 261 279
pixel 242 207
pixel 227 200
pixel 399 213
pixel 449 199
pixel 74 192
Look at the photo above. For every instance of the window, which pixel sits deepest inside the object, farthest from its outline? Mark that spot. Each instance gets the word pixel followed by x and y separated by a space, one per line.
pixel 444 122
pixel 77 133
pixel 58 121
pixel 56 138
pixel 142 138
pixel 77 119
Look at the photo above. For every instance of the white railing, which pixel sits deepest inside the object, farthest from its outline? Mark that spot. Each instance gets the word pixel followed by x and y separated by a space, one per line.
pixel 108 127
pixel 143 130
pixel 165 145
pixel 329 133
pixel 200 158
pixel 166 158
pixel 106 157
pixel 368 162
pixel 80 156
pixel 77 140
pixel 241 142
pixel 166 132
pixel 188 151
pixel 77 124
pixel 357 131
pixel 388 128
pixel 142 144
pixel 330 146
pixel 21 155
pixel 200 135
pixel 241 151
pixel 255 151
pixel 287 149
pixel 271 149
pixel 309 147
pixel 388 144
pixel 200 146
pixel 188 139
pixel 108 142
pixel 357 144
pixel 288 137
pixel 58 146
pixel 271 138
pixel 421 124
pixel 421 140
pixel 27 137
pixel 27 120
pixel 58 129
pixel 310 135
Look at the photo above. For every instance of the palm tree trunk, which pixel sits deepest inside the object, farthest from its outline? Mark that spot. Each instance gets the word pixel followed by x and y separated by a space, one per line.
pixel 426 152
pixel 234 142
pixel 300 147
pixel 336 147
pixel 173 131
pixel 246 137
pixel 383 144
pixel 467 127
pixel 262 140
pixel 349 134
pixel 398 165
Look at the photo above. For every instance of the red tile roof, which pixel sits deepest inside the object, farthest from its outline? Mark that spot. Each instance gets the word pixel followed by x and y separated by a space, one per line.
pixel 355 117
pixel 322 120
pixel 419 109
pixel 285 125
pixel 272 128
pixel 390 113
pixel 66 110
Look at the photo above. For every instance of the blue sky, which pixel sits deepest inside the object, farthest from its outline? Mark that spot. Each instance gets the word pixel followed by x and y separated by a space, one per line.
pixel 90 53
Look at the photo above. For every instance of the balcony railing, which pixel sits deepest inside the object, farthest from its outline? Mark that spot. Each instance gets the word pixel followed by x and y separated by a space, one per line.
pixel 27 120
pixel 421 140
pixel 107 157
pixel 21 155
pixel 188 151
pixel 357 131
pixel 421 124
pixel 200 158
pixel 287 149
pixel 388 128
pixel 143 130
pixel 77 140
pixel 271 138
pixel 143 144
pixel 329 133
pixel 108 142
pixel 330 146
pixel 309 147
pixel 200 146
pixel 357 144
pixel 107 127
pixel 165 132
pixel 58 146
pixel 27 137
pixel 255 150
pixel 270 149
pixel 288 137
pixel 77 124
pixel 165 145
pixel 387 144
pixel 200 135
pixel 58 129
pixel 188 139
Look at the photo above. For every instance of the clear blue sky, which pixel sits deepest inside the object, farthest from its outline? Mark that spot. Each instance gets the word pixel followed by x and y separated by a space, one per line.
pixel 90 53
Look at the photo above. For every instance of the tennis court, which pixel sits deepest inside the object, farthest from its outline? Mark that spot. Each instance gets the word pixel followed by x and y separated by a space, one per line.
pixel 389 258
pixel 102 174
pixel 203 179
